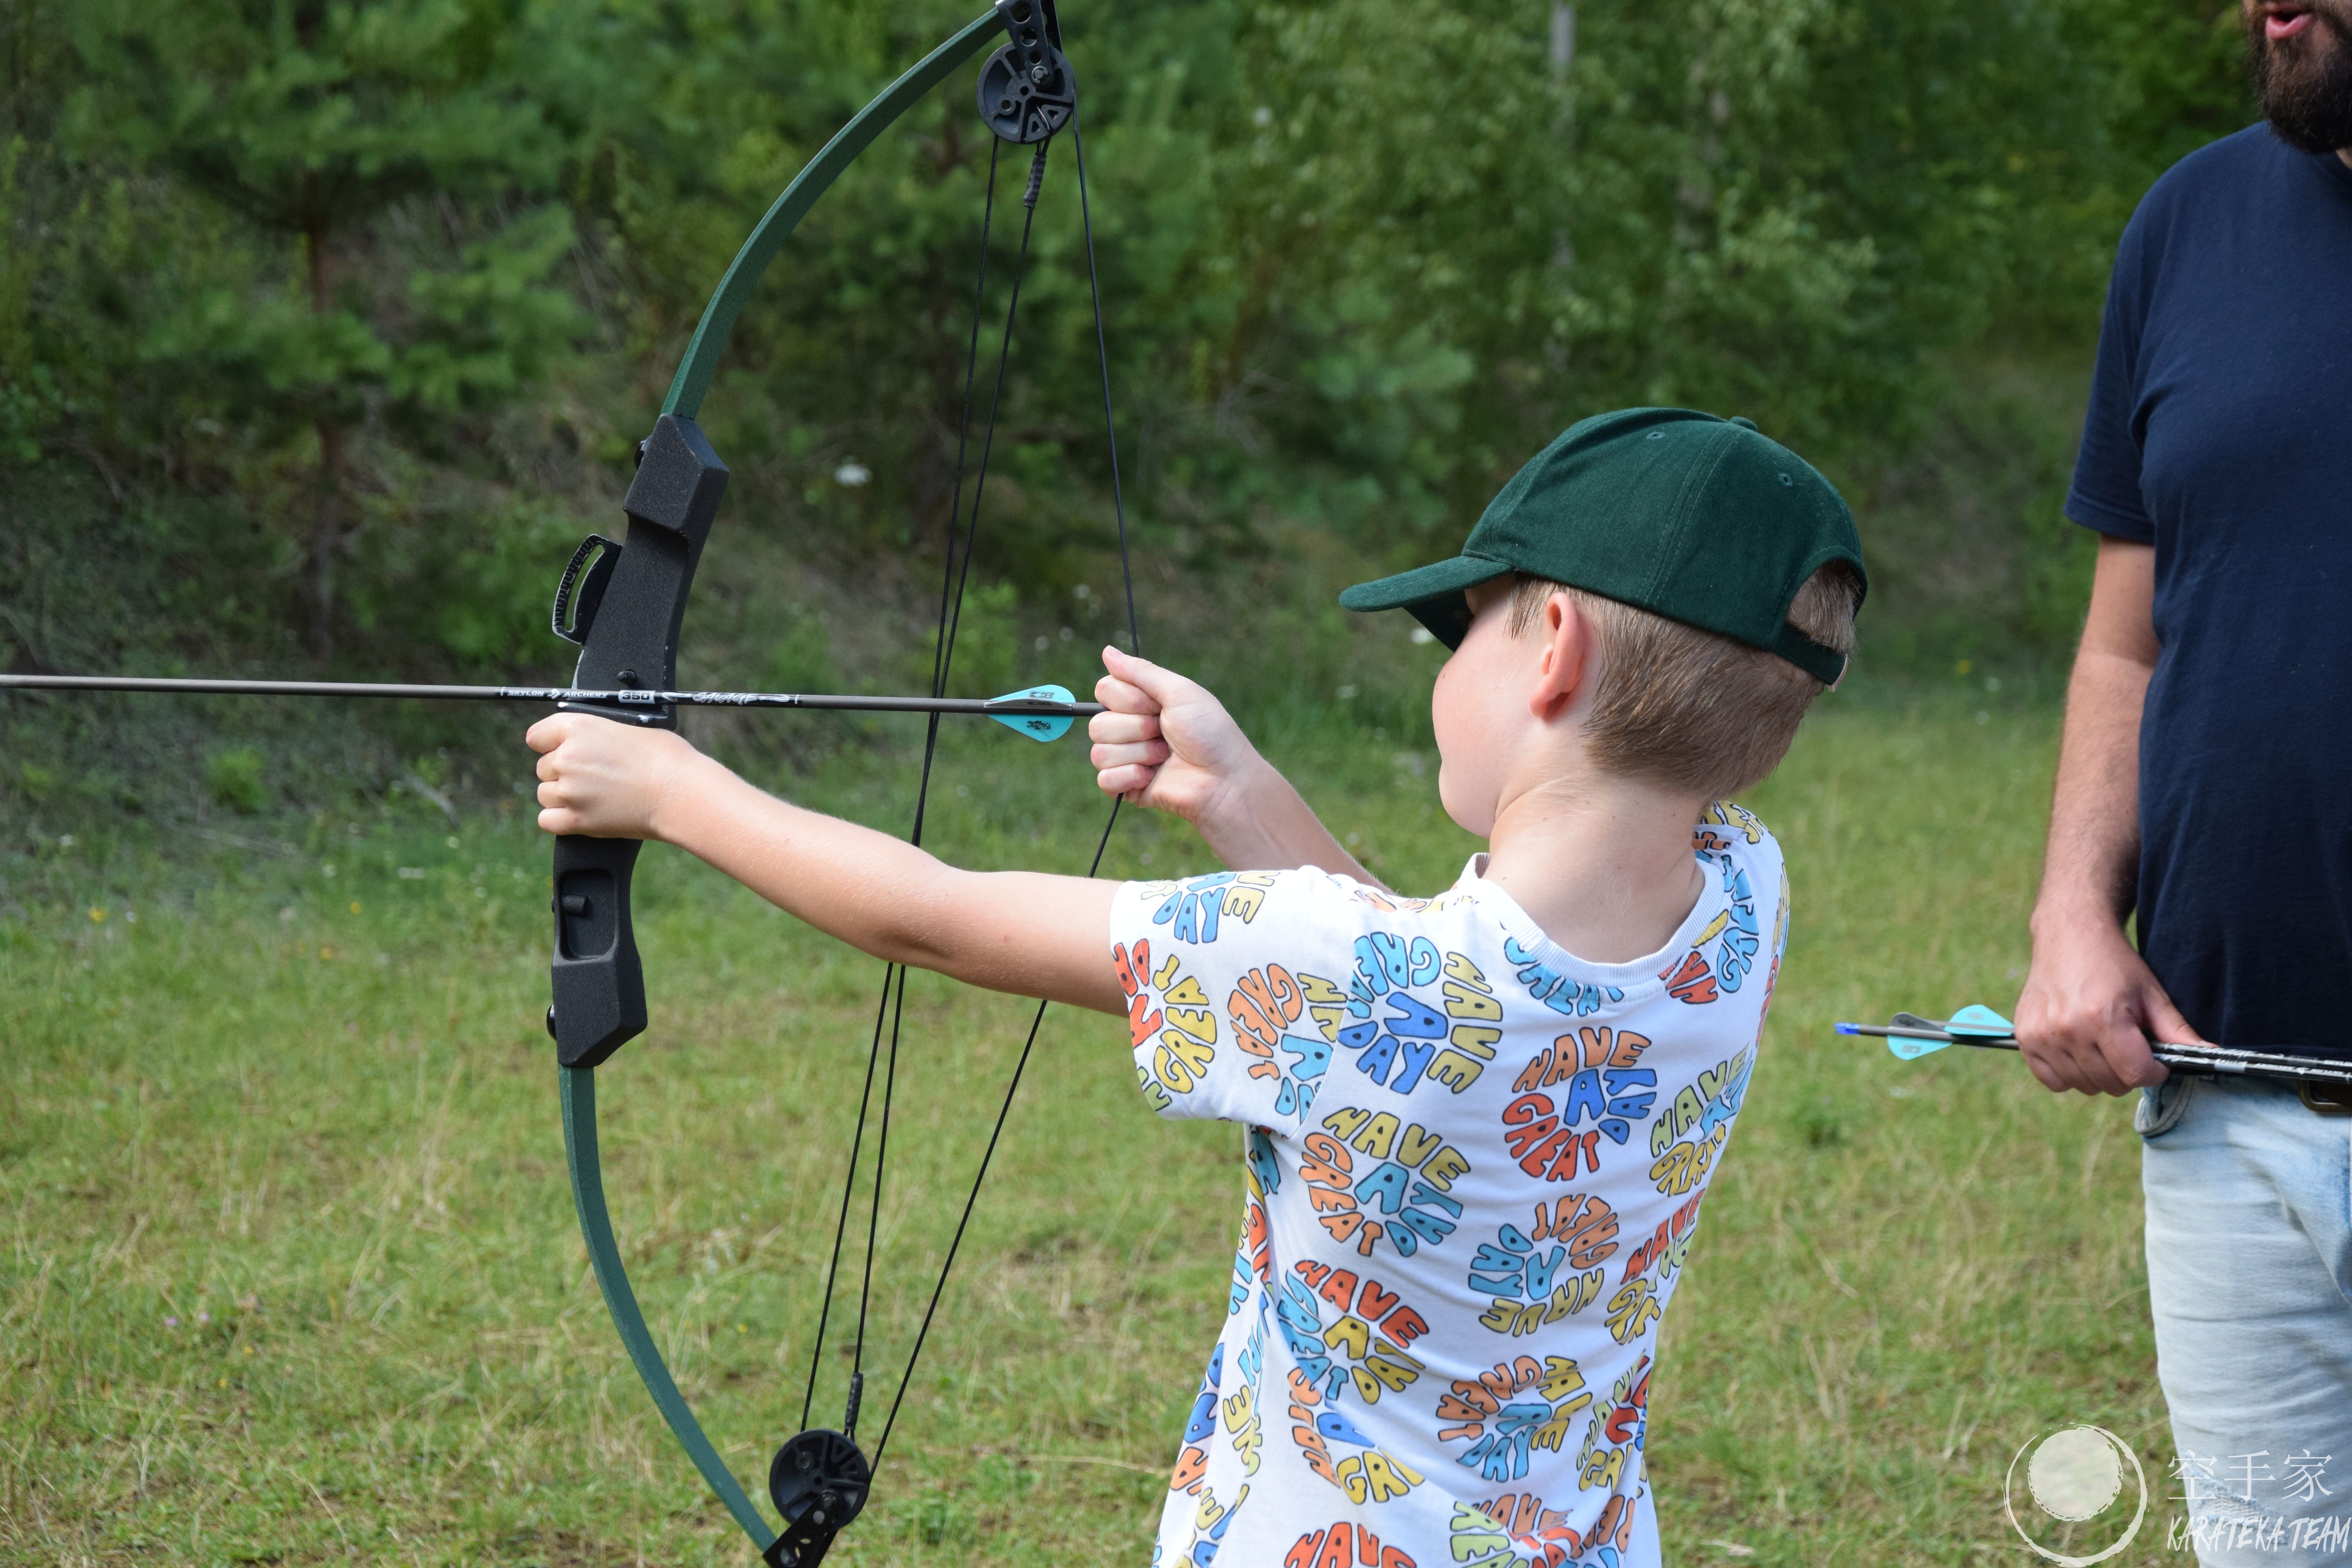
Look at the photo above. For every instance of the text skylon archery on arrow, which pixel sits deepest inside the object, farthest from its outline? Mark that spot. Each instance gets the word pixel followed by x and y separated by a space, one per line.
pixel 1041 712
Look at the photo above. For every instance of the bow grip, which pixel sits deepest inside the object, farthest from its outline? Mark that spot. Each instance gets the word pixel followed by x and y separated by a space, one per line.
pixel 598 983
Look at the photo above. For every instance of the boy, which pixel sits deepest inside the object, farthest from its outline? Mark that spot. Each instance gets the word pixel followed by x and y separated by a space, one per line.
pixel 1481 1124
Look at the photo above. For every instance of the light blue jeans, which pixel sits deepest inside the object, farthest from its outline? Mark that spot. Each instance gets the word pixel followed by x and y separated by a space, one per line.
pixel 2249 1280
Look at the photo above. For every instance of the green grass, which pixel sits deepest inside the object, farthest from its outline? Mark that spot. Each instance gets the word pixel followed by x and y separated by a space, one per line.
pixel 311 1117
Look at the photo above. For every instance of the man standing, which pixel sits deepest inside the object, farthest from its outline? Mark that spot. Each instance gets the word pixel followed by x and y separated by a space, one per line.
pixel 2205 785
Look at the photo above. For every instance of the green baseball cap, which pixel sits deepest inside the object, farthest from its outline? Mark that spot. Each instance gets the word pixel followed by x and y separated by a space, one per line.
pixel 1697 518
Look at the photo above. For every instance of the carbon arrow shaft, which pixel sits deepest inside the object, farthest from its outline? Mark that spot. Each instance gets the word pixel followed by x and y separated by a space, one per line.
pixel 995 707
pixel 2225 1059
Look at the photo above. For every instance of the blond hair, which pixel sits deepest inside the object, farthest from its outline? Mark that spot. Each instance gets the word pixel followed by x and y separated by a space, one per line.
pixel 1690 708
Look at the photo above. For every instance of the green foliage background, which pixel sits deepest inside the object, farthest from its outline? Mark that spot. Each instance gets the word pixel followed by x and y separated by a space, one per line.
pixel 326 328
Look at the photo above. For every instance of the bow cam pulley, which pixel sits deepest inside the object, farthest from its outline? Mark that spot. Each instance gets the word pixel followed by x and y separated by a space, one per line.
pixel 818 1481
pixel 1026 91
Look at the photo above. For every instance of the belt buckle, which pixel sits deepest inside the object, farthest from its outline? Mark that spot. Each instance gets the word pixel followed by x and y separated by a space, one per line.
pixel 2327 1098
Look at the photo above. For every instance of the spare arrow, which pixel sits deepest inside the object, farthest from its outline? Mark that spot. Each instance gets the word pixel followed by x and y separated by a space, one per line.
pixel 1911 1036
pixel 1040 713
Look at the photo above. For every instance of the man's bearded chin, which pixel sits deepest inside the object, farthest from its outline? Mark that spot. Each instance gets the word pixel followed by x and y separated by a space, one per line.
pixel 2304 81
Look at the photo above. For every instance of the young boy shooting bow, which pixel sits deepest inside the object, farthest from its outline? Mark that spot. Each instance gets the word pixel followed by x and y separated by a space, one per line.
pixel 1480 1124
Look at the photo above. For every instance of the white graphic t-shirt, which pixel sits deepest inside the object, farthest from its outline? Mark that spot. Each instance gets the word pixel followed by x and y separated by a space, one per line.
pixel 1474 1164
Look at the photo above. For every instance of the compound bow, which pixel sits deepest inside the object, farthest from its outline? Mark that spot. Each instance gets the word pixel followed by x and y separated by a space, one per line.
pixel 630 605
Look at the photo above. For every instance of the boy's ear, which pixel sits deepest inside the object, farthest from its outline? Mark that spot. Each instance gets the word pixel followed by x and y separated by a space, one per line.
pixel 1565 655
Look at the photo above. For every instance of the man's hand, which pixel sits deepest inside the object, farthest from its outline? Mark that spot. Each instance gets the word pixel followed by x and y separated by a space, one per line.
pixel 2091 1010
pixel 2091 1005
pixel 606 780
pixel 1168 743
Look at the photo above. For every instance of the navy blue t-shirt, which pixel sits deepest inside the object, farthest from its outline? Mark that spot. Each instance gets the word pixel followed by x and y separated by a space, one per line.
pixel 2220 430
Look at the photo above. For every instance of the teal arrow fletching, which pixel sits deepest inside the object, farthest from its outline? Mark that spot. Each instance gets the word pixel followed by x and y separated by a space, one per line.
pixel 1036 726
pixel 1979 1023
pixel 1910 1047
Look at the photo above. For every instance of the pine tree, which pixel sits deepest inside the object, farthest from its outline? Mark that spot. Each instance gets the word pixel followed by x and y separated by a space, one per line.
pixel 333 130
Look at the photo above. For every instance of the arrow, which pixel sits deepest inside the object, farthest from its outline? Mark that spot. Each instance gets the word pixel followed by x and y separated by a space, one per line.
pixel 1040 713
pixel 1911 1036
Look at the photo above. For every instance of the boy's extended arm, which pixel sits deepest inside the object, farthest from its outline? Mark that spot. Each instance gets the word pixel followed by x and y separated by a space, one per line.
pixel 1168 745
pixel 1022 932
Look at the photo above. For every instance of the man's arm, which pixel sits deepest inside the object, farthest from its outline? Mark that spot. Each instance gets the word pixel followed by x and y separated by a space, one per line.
pixel 1168 745
pixel 1021 931
pixel 2091 1004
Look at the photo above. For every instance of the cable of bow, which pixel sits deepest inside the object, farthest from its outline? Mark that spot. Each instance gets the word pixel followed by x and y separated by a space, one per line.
pixel 958 558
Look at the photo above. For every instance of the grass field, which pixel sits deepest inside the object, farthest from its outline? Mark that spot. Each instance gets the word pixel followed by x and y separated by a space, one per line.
pixel 289 1272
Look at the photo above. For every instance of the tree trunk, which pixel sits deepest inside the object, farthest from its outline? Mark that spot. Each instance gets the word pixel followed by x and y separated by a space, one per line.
pixel 326 533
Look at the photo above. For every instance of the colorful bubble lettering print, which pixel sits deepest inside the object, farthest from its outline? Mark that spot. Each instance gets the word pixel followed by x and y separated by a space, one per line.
pixel 1550 1270
pixel 1555 990
pixel 1193 910
pixel 1261 1170
pixel 1505 1414
pixel 1661 1256
pixel 1363 1347
pixel 1690 1132
pixel 1690 980
pixel 1192 1459
pixel 1253 1260
pixel 1616 1431
pixel 1446 1039
pixel 1168 1011
pixel 1406 1181
pixel 1476 1541
pixel 1736 817
pixel 1246 1432
pixel 1210 1519
pixel 1367 1474
pixel 1585 1075
pixel 1733 929
pixel 1695 977
pixel 1276 1016
pixel 1344 1545
pixel 1523 1525
pixel 1241 1407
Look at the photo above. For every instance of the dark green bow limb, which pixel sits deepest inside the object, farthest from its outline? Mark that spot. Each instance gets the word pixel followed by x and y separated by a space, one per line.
pixel 578 1092
pixel 687 387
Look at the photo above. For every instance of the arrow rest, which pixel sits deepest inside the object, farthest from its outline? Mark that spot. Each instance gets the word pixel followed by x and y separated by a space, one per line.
pixel 819 1482
pixel 577 596
pixel 1026 89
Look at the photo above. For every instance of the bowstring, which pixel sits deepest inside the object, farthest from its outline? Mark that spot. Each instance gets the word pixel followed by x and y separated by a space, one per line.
pixel 956 577
pixel 941 641
pixel 1135 646
pixel 944 663
pixel 1110 426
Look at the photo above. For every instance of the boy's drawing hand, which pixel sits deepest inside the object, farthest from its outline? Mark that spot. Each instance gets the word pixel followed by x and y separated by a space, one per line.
pixel 604 779
pixel 1168 743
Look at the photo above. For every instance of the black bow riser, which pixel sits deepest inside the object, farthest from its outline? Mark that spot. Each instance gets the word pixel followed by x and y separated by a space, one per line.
pixel 631 642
